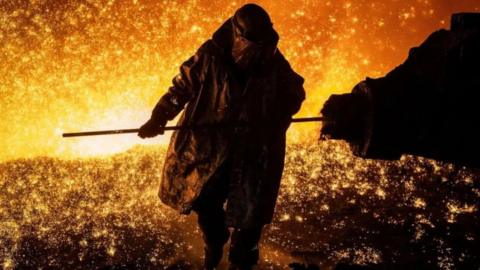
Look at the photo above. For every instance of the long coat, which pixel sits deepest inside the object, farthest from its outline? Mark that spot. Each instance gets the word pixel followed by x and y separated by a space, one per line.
pixel 428 106
pixel 207 85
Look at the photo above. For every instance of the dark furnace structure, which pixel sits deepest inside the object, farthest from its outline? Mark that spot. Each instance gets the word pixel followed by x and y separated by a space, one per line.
pixel 428 106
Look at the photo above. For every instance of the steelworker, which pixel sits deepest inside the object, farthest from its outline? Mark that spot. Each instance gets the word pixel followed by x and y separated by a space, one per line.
pixel 237 76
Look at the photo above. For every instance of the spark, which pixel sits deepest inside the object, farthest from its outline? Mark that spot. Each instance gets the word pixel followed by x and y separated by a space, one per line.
pixel 419 203
pixel 74 66
pixel 100 64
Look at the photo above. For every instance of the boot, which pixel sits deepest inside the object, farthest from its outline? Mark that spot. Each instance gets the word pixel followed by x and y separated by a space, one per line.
pixel 233 266
pixel 213 256
pixel 214 250
pixel 244 251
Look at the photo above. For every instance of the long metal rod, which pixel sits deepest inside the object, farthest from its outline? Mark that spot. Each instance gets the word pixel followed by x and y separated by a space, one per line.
pixel 135 130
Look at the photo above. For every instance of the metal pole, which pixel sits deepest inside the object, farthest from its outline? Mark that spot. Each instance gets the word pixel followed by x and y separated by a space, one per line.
pixel 135 130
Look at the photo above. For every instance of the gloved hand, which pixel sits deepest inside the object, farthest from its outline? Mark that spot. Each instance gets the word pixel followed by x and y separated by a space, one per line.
pixel 344 117
pixel 152 128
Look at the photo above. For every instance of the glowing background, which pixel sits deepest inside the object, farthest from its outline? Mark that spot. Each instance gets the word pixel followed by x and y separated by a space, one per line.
pixel 83 65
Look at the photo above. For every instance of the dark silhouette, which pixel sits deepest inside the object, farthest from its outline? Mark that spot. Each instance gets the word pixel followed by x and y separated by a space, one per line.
pixel 237 76
pixel 428 106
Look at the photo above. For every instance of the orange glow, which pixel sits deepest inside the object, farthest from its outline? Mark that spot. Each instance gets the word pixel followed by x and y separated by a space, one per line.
pixel 85 65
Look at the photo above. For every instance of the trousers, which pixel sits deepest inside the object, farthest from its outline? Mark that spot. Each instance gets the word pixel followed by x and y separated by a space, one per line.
pixel 209 206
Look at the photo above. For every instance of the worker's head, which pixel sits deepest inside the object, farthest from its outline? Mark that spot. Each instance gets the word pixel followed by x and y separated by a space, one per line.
pixel 253 35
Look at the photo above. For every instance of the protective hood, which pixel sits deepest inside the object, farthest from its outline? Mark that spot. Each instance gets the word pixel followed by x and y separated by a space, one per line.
pixel 223 38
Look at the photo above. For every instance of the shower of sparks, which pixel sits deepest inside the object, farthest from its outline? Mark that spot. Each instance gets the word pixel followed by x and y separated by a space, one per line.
pixel 88 64
pixel 92 64
pixel 90 213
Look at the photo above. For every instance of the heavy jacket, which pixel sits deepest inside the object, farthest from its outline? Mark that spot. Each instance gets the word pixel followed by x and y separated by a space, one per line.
pixel 213 93
pixel 428 106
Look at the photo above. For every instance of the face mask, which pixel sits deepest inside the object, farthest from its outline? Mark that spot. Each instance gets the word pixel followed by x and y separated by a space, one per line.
pixel 245 53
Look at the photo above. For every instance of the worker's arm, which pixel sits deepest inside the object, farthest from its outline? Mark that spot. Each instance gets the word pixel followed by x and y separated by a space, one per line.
pixel 183 89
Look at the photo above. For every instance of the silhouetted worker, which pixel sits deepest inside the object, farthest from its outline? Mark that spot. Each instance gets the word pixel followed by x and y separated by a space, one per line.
pixel 428 106
pixel 238 75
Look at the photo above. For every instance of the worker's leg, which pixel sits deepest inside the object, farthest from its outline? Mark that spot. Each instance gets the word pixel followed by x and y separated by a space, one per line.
pixel 244 248
pixel 211 219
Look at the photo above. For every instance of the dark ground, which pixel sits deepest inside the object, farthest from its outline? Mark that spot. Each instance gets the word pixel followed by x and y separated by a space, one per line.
pixel 334 210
